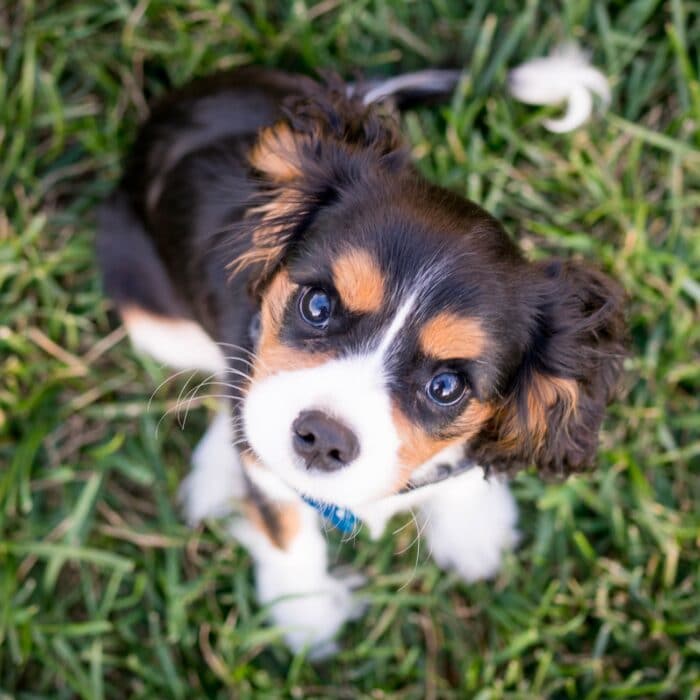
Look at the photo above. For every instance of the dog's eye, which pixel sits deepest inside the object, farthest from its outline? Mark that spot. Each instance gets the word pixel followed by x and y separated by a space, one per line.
pixel 315 307
pixel 447 388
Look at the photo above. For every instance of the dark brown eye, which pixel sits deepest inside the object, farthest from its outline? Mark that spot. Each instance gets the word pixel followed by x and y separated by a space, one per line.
pixel 446 388
pixel 315 307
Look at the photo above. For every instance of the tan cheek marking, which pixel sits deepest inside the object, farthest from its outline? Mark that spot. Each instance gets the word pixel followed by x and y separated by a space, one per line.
pixel 448 336
pixel 417 446
pixel 279 522
pixel 359 281
pixel 272 355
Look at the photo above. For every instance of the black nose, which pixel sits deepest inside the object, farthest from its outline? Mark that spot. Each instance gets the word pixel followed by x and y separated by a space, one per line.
pixel 322 442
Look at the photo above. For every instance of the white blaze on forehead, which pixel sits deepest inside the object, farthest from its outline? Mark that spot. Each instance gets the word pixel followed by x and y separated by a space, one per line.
pixel 397 323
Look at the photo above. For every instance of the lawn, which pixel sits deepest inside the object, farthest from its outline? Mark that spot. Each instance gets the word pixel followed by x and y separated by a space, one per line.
pixel 104 593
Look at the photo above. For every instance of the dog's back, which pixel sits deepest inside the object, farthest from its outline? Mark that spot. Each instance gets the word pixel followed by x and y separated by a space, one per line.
pixel 150 229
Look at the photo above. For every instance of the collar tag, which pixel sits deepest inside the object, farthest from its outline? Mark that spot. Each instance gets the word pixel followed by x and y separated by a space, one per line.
pixel 340 518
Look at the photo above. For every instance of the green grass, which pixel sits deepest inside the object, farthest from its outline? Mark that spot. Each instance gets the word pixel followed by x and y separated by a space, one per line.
pixel 105 594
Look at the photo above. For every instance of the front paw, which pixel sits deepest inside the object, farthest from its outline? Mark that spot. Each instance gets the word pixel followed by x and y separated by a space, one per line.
pixel 470 528
pixel 312 619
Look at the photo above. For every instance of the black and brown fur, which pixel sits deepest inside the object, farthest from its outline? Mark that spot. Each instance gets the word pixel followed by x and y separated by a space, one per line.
pixel 254 181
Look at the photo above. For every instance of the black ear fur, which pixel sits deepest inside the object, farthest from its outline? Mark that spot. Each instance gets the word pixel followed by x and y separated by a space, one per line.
pixel 328 141
pixel 555 403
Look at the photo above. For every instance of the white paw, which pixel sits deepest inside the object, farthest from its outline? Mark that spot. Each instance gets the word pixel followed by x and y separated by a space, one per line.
pixel 216 478
pixel 312 619
pixel 470 525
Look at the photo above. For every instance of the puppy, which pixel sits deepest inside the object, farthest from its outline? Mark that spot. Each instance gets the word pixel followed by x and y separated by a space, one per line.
pixel 381 341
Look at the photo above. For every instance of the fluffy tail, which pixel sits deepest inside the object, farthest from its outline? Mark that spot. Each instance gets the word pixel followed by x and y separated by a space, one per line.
pixel 565 77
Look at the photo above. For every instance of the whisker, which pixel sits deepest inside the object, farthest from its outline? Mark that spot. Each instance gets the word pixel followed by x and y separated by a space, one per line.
pixel 401 528
pixel 413 541
pixel 213 396
pixel 164 382
pixel 216 382
pixel 353 534
pixel 237 372
pixel 234 358
pixel 233 387
pixel 191 397
pixel 417 541
pixel 207 381
pixel 178 406
pixel 238 443
pixel 236 347
pixel 180 399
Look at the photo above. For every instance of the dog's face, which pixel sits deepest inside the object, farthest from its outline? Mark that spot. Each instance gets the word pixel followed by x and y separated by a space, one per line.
pixel 398 321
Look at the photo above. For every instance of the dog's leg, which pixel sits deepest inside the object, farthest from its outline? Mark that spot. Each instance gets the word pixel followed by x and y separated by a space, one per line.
pixel 215 482
pixel 176 342
pixel 282 535
pixel 309 604
pixel 469 522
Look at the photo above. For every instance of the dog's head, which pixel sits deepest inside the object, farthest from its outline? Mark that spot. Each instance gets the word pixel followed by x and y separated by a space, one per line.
pixel 399 321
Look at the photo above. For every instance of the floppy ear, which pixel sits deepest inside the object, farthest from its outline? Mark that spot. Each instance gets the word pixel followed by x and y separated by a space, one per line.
pixel 551 414
pixel 327 141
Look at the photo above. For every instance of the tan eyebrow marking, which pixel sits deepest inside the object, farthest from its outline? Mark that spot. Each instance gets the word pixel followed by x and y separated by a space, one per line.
pixel 359 281
pixel 449 336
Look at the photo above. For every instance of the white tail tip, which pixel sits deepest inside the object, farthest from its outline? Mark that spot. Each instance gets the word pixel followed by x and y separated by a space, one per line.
pixel 565 76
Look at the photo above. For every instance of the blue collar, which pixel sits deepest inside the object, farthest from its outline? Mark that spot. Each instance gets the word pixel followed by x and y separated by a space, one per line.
pixel 340 518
